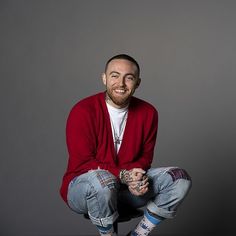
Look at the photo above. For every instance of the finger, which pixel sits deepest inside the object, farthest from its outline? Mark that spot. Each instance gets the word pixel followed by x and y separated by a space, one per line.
pixel 141 192
pixel 144 191
pixel 138 184
pixel 138 170
pixel 144 186
pixel 134 183
pixel 137 175
pixel 145 177
pixel 145 180
pixel 133 191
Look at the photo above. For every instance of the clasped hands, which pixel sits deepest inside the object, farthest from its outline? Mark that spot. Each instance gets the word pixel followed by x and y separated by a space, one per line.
pixel 136 180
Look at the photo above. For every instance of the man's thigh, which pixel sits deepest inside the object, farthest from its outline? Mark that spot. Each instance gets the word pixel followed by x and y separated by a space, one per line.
pixel 82 189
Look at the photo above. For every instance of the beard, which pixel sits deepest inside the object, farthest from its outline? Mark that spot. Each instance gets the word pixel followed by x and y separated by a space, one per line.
pixel 121 100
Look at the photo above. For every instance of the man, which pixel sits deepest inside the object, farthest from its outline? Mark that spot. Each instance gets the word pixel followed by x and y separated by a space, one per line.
pixel 111 138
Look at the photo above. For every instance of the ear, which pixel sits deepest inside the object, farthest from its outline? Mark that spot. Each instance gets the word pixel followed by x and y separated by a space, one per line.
pixel 138 82
pixel 104 79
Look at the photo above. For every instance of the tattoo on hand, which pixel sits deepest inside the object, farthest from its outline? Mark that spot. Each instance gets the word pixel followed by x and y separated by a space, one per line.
pixel 137 188
pixel 126 176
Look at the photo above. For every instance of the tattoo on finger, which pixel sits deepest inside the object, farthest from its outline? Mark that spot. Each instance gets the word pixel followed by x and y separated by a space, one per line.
pixel 126 176
pixel 139 184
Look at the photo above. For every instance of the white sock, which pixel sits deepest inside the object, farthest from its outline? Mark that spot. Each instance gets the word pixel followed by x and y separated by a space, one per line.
pixel 146 225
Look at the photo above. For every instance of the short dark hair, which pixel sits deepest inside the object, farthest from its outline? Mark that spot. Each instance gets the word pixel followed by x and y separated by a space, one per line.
pixel 125 57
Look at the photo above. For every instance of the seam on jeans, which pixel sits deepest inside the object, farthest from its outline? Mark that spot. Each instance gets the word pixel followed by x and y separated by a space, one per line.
pixel 95 197
pixel 103 181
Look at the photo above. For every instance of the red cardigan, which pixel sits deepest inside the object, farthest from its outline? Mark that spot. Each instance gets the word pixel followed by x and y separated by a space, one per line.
pixel 90 142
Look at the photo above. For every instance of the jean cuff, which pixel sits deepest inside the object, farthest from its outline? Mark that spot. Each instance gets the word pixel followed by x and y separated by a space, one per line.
pixel 104 222
pixel 152 207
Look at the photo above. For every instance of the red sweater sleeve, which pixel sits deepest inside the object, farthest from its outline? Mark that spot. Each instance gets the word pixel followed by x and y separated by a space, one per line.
pixel 82 143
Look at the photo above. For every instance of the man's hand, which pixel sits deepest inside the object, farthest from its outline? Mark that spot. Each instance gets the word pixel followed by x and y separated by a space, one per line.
pixel 135 174
pixel 139 188
pixel 136 180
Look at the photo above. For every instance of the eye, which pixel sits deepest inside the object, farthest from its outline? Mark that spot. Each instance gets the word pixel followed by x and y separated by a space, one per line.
pixel 114 76
pixel 131 78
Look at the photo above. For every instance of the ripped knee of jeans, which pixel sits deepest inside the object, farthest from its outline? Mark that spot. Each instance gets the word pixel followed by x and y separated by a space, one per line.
pixel 106 179
pixel 178 173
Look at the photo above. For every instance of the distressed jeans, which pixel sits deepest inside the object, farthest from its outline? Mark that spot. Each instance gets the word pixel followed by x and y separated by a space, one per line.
pixel 98 193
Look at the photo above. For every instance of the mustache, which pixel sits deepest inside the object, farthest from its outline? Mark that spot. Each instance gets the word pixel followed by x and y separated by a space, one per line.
pixel 120 87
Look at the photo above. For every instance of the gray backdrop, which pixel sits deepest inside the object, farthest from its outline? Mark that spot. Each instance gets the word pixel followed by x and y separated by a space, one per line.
pixel 52 54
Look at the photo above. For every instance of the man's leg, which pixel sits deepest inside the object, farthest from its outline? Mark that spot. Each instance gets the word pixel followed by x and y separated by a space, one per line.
pixel 167 189
pixel 170 186
pixel 95 193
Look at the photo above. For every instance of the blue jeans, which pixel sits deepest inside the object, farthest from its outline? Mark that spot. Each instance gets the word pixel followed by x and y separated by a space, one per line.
pixel 98 194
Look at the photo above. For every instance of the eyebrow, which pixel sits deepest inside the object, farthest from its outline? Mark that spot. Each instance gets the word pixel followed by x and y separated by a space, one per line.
pixel 119 73
pixel 114 72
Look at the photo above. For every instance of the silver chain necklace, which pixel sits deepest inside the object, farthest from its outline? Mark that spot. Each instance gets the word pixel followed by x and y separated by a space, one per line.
pixel 117 137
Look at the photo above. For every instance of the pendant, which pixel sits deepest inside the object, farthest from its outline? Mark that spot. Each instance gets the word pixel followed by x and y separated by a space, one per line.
pixel 117 140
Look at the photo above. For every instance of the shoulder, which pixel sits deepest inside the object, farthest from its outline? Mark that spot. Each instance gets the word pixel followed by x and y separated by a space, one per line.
pixel 87 109
pixel 144 112
pixel 139 105
pixel 90 103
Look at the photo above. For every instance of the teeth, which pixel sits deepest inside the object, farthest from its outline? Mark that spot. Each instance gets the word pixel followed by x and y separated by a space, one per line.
pixel 120 90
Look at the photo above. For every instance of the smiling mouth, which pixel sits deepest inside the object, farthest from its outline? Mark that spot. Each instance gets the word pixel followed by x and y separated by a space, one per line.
pixel 120 91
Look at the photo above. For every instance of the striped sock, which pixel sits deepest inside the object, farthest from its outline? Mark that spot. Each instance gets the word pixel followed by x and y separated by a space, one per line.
pixel 146 225
pixel 105 231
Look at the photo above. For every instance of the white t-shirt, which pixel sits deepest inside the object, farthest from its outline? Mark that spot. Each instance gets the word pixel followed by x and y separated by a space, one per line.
pixel 118 118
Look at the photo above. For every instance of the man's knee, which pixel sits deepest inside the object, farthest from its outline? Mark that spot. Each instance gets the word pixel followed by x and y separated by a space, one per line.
pixel 181 180
pixel 178 173
pixel 107 184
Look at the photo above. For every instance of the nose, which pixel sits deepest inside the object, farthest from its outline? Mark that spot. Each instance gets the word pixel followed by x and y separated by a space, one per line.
pixel 121 81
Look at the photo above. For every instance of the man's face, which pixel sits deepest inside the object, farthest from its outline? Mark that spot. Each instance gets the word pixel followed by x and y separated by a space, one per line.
pixel 121 80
